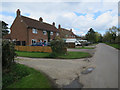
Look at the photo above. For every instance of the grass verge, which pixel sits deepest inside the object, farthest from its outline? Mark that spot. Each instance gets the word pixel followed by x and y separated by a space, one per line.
pixel 83 48
pixel 117 46
pixel 69 55
pixel 21 76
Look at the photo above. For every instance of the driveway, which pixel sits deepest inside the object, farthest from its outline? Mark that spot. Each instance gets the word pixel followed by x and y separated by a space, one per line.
pixel 105 74
pixel 61 71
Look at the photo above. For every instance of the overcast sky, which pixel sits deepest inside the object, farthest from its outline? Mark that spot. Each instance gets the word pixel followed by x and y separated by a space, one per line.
pixel 79 16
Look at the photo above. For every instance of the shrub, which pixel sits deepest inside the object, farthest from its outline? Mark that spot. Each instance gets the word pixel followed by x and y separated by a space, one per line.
pixel 58 47
pixel 15 73
pixel 8 53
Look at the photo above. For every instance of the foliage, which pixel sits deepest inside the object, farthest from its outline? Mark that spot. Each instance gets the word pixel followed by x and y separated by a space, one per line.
pixel 15 73
pixel 112 35
pixel 93 36
pixel 58 46
pixel 21 76
pixel 4 28
pixel 8 53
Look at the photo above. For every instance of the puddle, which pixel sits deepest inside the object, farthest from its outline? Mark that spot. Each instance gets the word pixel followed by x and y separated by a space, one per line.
pixel 74 84
pixel 88 70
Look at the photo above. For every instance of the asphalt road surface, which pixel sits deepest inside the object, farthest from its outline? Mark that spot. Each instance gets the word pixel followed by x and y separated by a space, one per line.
pixel 105 75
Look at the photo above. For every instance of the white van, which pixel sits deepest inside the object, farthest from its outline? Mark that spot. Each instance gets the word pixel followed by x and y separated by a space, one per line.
pixel 77 43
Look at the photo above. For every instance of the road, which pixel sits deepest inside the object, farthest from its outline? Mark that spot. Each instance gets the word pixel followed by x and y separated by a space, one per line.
pixel 105 74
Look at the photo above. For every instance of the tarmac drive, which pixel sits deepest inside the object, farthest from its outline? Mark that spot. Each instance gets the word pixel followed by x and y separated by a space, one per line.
pixel 105 74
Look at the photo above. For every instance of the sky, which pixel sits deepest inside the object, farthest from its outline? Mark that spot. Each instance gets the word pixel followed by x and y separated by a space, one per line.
pixel 79 16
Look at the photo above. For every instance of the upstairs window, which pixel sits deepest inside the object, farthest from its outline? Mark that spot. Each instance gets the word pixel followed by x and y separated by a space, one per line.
pixel 51 33
pixel 44 32
pixel 66 35
pixel 57 34
pixel 34 30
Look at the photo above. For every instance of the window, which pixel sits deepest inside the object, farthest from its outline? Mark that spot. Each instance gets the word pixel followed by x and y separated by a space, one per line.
pixel 57 34
pixel 66 35
pixel 34 41
pixel 34 31
pixel 51 33
pixel 44 32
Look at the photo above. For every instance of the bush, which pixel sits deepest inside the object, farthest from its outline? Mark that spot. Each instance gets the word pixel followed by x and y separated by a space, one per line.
pixel 58 47
pixel 8 53
pixel 16 72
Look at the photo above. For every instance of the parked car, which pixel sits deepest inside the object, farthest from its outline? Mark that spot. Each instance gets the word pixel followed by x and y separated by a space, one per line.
pixel 40 44
pixel 77 43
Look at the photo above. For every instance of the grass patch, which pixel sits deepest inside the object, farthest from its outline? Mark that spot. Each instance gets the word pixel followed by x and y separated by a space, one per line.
pixel 117 46
pixel 33 54
pixel 69 55
pixel 83 48
pixel 21 76
pixel 74 55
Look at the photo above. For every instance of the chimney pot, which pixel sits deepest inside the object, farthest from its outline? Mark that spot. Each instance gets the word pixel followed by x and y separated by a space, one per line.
pixel 70 30
pixel 40 19
pixel 53 23
pixel 18 12
pixel 59 26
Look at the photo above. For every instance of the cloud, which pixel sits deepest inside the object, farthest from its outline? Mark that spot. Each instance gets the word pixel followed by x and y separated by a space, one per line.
pixel 80 16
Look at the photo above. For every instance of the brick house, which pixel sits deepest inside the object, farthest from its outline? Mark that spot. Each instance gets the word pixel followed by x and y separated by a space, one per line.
pixel 65 33
pixel 26 31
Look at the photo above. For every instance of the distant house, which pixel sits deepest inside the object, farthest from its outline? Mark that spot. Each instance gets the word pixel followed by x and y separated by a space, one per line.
pixel 66 34
pixel 26 31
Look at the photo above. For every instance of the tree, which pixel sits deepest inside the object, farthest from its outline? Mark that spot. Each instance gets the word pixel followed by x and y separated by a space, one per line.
pixel 4 28
pixel 90 36
pixel 112 35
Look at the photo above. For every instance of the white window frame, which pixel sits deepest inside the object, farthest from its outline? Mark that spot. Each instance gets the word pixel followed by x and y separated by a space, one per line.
pixel 57 34
pixel 34 40
pixel 44 32
pixel 51 33
pixel 34 30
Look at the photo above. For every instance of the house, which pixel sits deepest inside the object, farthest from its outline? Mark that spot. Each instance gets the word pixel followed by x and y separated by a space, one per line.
pixel 26 31
pixel 65 33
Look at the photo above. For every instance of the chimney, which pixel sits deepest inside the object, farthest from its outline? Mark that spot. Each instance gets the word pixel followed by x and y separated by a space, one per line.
pixel 70 30
pixel 18 12
pixel 40 19
pixel 53 23
pixel 59 26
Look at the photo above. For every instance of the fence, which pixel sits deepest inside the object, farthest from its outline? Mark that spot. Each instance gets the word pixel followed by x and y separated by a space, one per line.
pixel 34 48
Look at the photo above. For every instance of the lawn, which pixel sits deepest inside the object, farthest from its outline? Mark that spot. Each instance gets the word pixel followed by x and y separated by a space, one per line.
pixel 117 46
pixel 83 48
pixel 75 55
pixel 21 76
pixel 69 55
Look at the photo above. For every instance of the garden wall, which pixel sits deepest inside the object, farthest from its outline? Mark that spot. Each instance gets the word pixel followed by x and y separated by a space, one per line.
pixel 33 48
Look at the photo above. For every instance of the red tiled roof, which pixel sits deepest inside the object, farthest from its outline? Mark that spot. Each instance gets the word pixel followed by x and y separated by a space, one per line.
pixel 64 32
pixel 32 23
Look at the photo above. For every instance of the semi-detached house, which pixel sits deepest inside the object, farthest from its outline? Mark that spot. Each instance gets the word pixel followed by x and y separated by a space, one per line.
pixel 26 31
